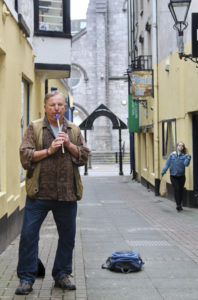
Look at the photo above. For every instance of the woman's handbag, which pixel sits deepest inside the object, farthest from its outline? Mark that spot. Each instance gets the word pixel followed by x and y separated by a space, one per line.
pixel 163 188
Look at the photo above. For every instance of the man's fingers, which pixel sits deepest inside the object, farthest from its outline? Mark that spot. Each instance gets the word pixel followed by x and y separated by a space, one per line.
pixel 63 135
pixel 57 143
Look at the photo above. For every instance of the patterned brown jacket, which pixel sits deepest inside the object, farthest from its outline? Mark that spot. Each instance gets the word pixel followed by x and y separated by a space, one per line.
pixel 56 179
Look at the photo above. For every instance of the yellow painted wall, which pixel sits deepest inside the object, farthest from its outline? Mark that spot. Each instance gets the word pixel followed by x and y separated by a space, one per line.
pixel 178 90
pixel 144 159
pixel 175 97
pixel 137 146
pixel 147 112
pixel 16 61
pixel 58 84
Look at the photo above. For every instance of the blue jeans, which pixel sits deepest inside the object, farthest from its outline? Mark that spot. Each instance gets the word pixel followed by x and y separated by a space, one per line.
pixel 65 217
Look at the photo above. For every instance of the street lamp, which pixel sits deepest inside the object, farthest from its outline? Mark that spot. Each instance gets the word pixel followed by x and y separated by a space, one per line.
pixel 179 11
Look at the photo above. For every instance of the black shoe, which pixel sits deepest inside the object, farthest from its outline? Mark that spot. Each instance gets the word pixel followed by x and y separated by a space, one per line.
pixel 179 208
pixel 23 288
pixel 64 283
pixel 41 269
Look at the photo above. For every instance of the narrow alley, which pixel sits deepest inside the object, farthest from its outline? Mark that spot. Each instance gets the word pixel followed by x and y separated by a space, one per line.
pixel 118 214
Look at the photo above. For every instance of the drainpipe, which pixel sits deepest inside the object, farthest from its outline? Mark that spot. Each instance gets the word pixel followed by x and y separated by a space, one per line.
pixel 132 49
pixel 131 56
pixel 156 96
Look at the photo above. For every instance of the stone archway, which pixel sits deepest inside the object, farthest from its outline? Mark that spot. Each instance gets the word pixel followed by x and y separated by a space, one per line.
pixel 103 110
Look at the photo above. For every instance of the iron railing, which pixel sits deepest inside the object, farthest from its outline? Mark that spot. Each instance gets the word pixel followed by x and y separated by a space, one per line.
pixel 142 62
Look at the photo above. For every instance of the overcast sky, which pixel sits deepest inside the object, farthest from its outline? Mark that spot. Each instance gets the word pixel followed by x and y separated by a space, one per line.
pixel 78 9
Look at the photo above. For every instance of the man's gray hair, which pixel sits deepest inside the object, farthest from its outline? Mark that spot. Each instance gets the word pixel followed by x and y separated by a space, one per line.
pixel 51 94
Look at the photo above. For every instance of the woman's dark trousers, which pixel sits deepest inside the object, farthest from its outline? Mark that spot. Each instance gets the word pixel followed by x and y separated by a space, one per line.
pixel 178 185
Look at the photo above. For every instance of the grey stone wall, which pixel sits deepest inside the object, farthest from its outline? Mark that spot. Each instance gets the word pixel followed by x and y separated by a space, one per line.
pixel 100 51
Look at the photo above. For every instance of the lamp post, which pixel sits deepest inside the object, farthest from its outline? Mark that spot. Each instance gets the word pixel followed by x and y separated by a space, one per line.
pixel 179 11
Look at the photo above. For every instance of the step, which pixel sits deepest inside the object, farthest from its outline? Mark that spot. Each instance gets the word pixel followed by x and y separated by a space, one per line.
pixel 108 157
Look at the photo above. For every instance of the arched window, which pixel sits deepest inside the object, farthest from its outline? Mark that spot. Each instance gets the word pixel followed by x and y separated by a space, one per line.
pixel 75 77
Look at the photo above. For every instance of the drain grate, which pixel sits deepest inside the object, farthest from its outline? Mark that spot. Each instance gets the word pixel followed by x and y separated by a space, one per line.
pixel 146 243
pixel 137 229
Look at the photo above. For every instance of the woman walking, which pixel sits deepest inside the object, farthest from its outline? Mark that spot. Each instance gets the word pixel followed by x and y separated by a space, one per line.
pixel 177 161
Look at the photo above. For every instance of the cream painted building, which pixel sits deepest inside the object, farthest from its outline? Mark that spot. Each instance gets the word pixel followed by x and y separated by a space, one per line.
pixel 170 113
pixel 31 62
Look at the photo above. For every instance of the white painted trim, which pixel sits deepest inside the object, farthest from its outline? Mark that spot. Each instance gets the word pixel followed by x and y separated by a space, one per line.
pixel 11 8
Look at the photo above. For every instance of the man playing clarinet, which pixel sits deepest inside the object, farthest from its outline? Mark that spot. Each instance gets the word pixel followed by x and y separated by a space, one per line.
pixel 51 151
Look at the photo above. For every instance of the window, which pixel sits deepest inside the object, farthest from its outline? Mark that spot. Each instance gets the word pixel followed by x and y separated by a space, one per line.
pixel 51 15
pixel 75 77
pixel 151 151
pixel 25 95
pixel 16 5
pixel 141 7
pixel 144 151
pixel 136 9
pixel 52 18
pixel 168 137
pixel 24 106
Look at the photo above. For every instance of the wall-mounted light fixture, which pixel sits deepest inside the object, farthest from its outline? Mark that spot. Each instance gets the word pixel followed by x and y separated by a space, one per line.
pixel 179 11
pixel 123 102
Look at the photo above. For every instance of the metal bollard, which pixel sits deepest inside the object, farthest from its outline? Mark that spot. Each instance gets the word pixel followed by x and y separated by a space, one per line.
pixel 90 161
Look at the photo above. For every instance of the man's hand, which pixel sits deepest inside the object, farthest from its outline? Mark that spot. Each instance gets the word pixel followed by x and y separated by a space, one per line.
pixel 55 145
pixel 65 138
pixel 68 144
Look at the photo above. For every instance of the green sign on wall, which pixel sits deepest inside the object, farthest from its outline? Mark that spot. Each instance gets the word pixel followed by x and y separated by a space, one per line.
pixel 133 110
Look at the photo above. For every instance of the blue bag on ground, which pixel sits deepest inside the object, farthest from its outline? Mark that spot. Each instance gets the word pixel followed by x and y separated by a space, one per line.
pixel 124 261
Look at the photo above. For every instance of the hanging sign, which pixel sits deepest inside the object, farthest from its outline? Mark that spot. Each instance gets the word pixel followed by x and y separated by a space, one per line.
pixel 142 84
pixel 133 110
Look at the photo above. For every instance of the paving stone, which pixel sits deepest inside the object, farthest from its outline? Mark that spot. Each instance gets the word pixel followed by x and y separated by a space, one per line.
pixel 118 214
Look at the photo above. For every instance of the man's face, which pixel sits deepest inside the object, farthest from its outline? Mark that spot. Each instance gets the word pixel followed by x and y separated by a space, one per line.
pixel 55 105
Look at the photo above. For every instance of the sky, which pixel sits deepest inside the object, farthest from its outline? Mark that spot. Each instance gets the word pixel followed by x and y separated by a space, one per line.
pixel 78 9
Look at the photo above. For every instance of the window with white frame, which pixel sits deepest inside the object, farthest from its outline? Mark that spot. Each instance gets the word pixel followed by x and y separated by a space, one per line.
pixel 51 15
pixel 168 137
pixel 52 18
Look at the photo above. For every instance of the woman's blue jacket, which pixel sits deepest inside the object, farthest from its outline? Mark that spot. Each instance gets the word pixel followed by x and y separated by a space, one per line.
pixel 177 164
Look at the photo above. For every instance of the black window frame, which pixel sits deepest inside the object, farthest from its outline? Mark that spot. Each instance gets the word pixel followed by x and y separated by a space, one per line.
pixel 66 22
pixel 16 5
pixel 165 150
pixel 27 113
pixel 27 96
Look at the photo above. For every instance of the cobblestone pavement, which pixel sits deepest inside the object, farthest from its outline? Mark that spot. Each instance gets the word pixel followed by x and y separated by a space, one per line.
pixel 43 288
pixel 118 214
